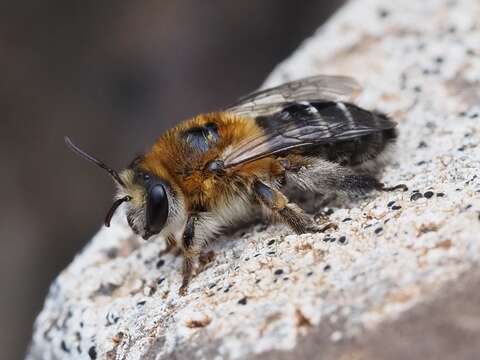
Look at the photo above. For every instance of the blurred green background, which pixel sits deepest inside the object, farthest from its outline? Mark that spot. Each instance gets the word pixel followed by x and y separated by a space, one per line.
pixel 112 75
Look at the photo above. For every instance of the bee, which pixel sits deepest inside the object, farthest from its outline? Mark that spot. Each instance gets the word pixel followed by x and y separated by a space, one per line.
pixel 216 169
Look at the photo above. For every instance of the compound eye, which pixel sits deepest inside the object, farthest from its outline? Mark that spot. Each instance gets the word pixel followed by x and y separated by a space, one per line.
pixel 157 208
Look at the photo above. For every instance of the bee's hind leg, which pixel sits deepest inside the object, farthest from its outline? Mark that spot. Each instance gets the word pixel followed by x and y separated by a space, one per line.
pixel 364 183
pixel 287 212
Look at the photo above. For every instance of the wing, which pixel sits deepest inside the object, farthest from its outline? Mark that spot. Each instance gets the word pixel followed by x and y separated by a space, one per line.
pixel 268 101
pixel 304 124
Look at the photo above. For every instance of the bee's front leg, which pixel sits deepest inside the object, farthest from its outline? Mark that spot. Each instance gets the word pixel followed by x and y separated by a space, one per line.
pixel 188 253
pixel 287 212
pixel 187 270
pixel 171 246
pixel 195 237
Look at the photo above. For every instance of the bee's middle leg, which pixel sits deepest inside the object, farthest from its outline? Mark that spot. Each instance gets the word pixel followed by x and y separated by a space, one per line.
pixel 288 212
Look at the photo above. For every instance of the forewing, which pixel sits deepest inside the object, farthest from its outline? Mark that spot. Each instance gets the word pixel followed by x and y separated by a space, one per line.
pixel 325 123
pixel 269 101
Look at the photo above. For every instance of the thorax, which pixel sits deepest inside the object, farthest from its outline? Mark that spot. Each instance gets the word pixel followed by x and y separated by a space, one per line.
pixel 184 154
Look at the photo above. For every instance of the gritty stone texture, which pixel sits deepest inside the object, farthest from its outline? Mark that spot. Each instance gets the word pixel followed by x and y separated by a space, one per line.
pixel 271 294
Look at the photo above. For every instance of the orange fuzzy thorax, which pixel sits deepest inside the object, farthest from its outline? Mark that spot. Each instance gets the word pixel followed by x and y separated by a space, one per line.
pixel 174 161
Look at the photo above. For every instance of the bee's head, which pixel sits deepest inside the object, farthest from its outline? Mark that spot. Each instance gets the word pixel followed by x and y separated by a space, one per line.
pixel 149 199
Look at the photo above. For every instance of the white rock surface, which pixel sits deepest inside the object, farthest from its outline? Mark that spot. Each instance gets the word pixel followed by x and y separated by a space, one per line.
pixel 418 61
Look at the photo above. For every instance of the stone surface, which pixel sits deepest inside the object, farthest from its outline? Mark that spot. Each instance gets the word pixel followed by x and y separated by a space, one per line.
pixel 271 294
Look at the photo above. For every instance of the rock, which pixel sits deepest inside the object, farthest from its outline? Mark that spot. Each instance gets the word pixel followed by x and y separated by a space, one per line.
pixel 270 294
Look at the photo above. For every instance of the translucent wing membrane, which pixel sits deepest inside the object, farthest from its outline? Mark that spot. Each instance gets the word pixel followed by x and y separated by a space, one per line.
pixel 305 118
pixel 268 101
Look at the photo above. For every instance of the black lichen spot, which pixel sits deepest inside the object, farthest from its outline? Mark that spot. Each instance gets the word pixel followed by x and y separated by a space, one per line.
pixel 391 203
pixel 106 289
pixel 428 194
pixel 342 239
pixel 278 272
pixel 211 286
pixel 396 207
pixel 161 280
pixel 160 263
pixel 474 116
pixel 111 318
pixel 111 253
pixel 243 301
pixel 310 273
pixel 383 13
pixel 141 303
pixel 257 281
pixel 417 89
pixel 271 242
pixel 440 194
pixel 64 347
pixel 378 230
pixel 347 219
pixel 416 196
pixel 439 60
pixel 271 253
pixel 327 267
pixel 333 239
pixel 152 290
pixel 92 352
pixel 422 144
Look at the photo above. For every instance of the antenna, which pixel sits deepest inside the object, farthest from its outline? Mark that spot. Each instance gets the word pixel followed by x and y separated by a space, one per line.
pixel 90 158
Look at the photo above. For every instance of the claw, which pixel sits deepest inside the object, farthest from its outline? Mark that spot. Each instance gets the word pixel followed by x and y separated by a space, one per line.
pixel 329 226
pixel 183 290
pixel 321 229
pixel 394 188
